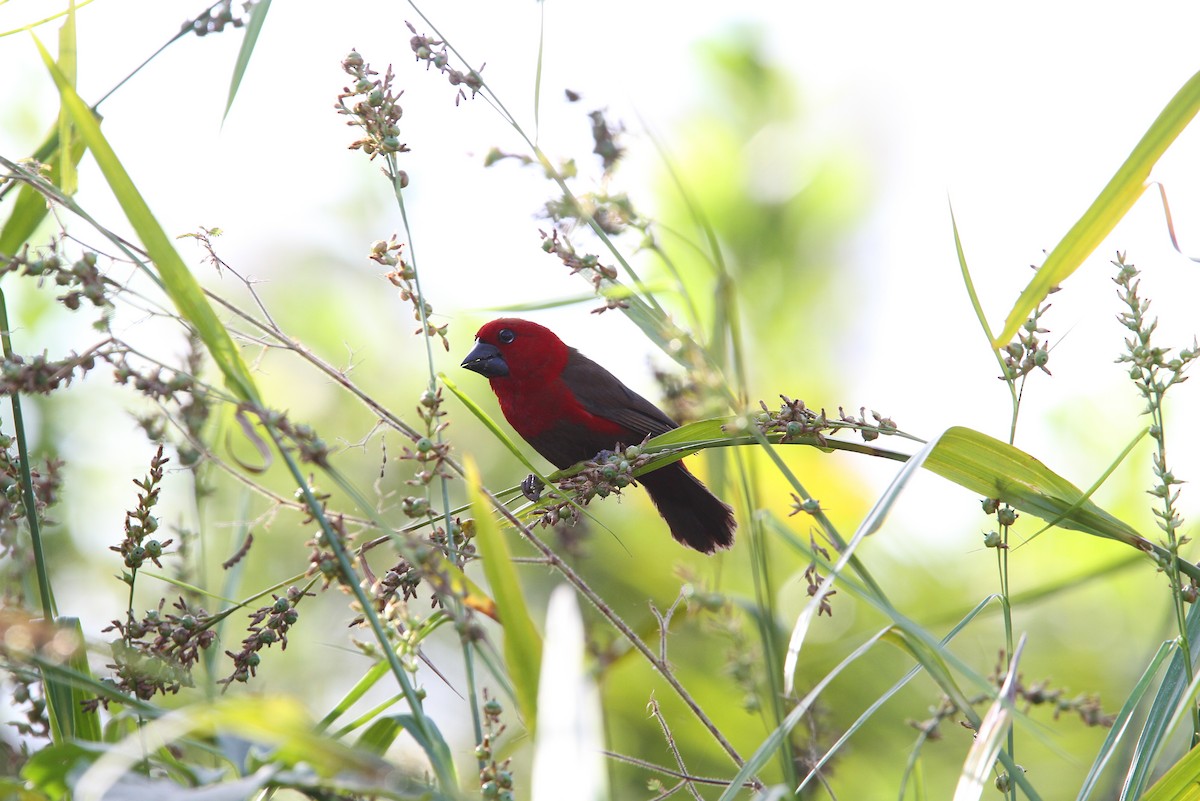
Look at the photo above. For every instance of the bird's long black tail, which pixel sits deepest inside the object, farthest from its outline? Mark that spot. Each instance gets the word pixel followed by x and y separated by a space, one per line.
pixel 696 517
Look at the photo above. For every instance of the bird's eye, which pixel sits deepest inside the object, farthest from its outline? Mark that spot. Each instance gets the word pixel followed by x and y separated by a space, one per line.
pixel 506 336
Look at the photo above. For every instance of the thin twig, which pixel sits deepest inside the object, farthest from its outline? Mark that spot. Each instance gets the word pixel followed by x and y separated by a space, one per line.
pixel 665 771
pixel 666 730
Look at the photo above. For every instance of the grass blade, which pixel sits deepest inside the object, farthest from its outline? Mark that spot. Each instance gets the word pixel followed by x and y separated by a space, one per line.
pixel 1156 729
pixel 869 525
pixel 68 64
pixel 1178 783
pixel 360 688
pixel 522 644
pixel 1114 201
pixel 1121 724
pixel 181 286
pixel 775 740
pixel 883 699
pixel 991 734
pixel 280 723
pixel 64 697
pixel 258 15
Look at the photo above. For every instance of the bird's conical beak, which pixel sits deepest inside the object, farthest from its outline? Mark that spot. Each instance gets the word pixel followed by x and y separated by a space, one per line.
pixel 486 360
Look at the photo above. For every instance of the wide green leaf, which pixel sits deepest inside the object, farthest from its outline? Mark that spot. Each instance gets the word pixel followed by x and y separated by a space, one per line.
pixel 995 469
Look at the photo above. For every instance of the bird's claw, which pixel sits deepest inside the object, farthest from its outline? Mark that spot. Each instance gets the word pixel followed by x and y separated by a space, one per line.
pixel 531 487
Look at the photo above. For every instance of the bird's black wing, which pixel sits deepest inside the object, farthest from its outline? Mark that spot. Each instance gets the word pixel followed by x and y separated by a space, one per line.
pixel 603 394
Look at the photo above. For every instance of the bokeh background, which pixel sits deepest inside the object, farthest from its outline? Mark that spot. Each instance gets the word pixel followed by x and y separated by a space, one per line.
pixel 825 142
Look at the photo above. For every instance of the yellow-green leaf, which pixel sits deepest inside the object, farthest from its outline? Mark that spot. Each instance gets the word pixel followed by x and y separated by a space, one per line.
pixel 1180 783
pixel 522 643
pixel 1108 208
pixel 995 469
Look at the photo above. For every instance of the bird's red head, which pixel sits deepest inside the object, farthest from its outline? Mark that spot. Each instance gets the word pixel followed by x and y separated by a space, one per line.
pixel 518 349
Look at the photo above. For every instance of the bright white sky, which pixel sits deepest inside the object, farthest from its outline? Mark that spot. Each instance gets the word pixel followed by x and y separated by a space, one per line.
pixel 1019 116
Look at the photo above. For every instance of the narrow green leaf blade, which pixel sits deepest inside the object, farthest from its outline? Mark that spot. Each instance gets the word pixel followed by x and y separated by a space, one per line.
pixel 258 15
pixel 1114 201
pixel 64 698
pixel 1156 730
pixel 522 643
pixel 30 208
pixel 68 64
pixel 360 688
pixel 1120 726
pixel 869 525
pixel 178 281
pixel 767 749
pixel 990 737
pixel 279 723
pixel 380 735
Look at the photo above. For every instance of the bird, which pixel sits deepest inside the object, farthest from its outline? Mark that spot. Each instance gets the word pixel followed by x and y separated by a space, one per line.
pixel 569 409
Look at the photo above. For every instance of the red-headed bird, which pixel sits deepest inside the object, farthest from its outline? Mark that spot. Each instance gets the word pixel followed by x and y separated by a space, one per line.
pixel 569 409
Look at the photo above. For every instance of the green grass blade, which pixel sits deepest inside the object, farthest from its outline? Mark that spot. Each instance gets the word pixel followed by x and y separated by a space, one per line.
pixel 613 292
pixel 28 26
pixel 64 697
pixel 869 525
pixel 1156 729
pixel 360 688
pixel 258 15
pixel 30 207
pixel 491 426
pixel 1117 731
pixel 930 654
pixel 279 723
pixel 68 64
pixel 775 740
pixel 380 735
pixel 191 588
pixel 537 76
pixel 1179 783
pixel 883 699
pixel 990 736
pixel 1114 201
pixel 178 281
pixel 522 643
